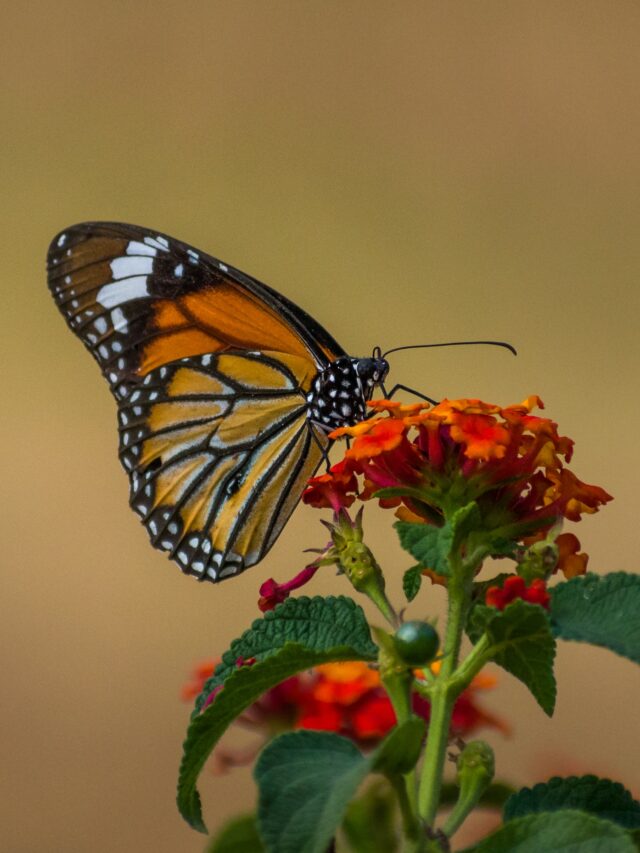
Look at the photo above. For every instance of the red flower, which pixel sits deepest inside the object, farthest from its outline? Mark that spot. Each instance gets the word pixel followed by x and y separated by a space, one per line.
pixel 346 698
pixel 272 593
pixel 332 489
pixel 511 463
pixel 515 587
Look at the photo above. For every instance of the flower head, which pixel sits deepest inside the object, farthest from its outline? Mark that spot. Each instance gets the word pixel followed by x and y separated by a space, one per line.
pixel 433 460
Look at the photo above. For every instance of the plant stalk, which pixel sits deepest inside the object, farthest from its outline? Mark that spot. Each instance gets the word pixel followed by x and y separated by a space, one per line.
pixel 443 695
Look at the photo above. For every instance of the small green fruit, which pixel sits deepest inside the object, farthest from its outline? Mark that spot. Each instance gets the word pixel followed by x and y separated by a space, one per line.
pixel 417 643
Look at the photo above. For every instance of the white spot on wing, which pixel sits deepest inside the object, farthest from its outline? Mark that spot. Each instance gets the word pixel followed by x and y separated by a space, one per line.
pixel 61 240
pixel 119 321
pixel 157 242
pixel 135 248
pixel 100 325
pixel 114 294
pixel 128 266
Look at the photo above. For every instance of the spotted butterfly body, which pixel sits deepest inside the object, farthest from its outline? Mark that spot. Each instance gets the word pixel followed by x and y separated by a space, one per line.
pixel 226 390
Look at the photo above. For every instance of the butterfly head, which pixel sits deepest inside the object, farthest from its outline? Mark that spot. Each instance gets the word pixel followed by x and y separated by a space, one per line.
pixel 340 391
pixel 371 372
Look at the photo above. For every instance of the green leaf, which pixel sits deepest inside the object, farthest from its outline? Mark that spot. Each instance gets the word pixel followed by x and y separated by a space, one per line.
pixel 369 825
pixel 522 643
pixel 428 544
pixel 400 750
pixel 317 623
pixel 306 779
pixel 241 689
pixel 566 830
pixel 601 610
pixel 464 521
pixel 601 797
pixel 411 582
pixel 240 835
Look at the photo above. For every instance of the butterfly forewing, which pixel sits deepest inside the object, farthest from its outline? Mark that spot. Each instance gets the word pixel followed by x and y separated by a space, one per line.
pixel 139 299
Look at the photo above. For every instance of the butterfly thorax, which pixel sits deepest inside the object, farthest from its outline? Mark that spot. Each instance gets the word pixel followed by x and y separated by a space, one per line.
pixel 340 391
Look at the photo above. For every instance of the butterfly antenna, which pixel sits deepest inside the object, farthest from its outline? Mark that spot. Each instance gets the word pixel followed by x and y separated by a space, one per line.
pixel 454 344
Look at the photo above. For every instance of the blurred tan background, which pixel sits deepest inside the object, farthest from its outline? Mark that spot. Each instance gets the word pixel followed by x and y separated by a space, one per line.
pixel 407 172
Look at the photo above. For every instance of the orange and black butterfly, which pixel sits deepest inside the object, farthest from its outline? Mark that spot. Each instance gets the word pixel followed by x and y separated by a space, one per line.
pixel 226 390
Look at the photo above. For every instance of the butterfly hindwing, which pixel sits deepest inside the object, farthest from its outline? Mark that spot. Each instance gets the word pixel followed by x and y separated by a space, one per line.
pixel 218 449
pixel 139 299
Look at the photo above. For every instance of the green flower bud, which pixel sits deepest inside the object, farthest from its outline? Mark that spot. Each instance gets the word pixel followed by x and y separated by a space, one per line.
pixel 476 766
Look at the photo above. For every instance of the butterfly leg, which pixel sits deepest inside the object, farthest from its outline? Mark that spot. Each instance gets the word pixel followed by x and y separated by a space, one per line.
pixel 324 450
pixel 398 387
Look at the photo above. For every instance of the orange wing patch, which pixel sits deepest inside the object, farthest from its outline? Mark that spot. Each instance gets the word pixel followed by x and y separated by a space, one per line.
pixel 242 320
pixel 215 319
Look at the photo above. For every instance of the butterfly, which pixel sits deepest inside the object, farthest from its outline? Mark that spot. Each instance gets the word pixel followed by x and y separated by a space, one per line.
pixel 226 390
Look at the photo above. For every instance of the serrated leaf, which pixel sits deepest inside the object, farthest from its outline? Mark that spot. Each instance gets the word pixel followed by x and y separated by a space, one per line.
pixel 412 581
pixel 428 544
pixel 241 689
pixel 566 830
pixel 306 779
pixel 317 623
pixel 601 797
pixel 240 835
pixel 521 643
pixel 603 610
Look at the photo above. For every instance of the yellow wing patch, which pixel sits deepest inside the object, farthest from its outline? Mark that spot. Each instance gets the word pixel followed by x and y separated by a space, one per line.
pixel 218 449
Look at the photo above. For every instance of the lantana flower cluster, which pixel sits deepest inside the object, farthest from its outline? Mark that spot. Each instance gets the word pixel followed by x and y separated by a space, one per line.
pixel 345 698
pixel 427 461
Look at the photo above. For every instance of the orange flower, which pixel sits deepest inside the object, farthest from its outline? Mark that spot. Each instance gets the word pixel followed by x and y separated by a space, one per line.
pixel 510 462
pixel 570 562
pixel 332 490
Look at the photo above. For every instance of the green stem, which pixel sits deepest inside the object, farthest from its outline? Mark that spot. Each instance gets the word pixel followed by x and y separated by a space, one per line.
pixel 379 598
pixel 398 689
pixel 472 664
pixel 443 696
pixel 409 819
